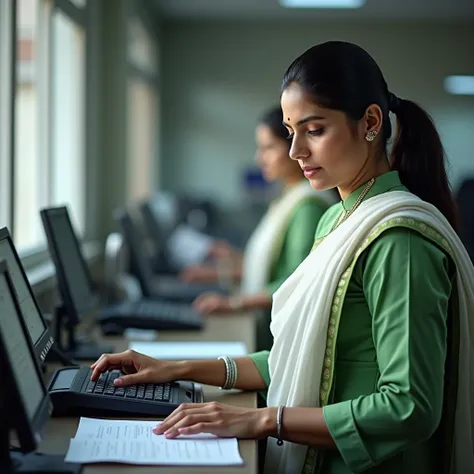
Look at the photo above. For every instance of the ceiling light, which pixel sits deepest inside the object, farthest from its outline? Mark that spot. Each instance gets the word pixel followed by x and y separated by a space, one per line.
pixel 459 85
pixel 322 3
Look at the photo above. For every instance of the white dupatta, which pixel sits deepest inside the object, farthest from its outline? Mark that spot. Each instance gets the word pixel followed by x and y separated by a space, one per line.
pixel 303 304
pixel 267 239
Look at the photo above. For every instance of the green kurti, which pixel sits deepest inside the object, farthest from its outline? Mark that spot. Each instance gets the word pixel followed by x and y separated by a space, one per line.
pixel 299 239
pixel 297 243
pixel 386 400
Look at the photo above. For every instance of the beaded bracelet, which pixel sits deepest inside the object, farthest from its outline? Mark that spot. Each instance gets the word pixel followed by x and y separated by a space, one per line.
pixel 231 372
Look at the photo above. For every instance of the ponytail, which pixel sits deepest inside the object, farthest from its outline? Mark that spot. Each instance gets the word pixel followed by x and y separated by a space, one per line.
pixel 419 157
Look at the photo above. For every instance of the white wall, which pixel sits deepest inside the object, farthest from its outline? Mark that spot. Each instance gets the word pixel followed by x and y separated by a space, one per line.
pixel 218 77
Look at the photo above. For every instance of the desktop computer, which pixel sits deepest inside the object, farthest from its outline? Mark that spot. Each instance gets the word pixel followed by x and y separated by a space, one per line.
pixel 162 213
pixel 159 229
pixel 78 293
pixel 152 285
pixel 177 248
pixel 79 304
pixel 70 388
pixel 25 405
pixel 40 333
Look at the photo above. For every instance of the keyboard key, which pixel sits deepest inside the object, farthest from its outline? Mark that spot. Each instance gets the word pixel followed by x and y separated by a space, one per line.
pixel 141 391
pixel 112 377
pixel 90 387
pixel 110 388
pixel 131 392
pixel 119 392
pixel 159 393
pixel 149 393
pixel 102 378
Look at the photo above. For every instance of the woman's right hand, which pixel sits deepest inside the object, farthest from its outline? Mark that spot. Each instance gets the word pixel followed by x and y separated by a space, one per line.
pixel 199 274
pixel 138 368
pixel 221 249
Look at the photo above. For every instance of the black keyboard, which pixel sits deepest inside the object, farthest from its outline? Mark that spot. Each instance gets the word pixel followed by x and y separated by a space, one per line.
pixel 149 314
pixel 182 292
pixel 73 393
pixel 105 386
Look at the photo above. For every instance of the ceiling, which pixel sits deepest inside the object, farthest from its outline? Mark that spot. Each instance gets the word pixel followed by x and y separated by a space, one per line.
pixel 271 10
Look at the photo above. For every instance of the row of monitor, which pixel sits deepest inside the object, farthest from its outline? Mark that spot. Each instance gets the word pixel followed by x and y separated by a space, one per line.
pixel 25 405
pixel 26 339
pixel 78 292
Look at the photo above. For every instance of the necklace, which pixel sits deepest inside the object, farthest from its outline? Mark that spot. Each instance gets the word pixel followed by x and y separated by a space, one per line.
pixel 347 213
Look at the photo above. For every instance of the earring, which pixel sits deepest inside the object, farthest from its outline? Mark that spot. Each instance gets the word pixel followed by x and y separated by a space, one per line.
pixel 370 136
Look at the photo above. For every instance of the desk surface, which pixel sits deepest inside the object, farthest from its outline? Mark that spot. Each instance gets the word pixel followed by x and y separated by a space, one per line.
pixel 228 328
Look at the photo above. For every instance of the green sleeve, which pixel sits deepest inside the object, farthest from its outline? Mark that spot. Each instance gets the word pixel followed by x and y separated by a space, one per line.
pixel 407 284
pixel 260 359
pixel 298 241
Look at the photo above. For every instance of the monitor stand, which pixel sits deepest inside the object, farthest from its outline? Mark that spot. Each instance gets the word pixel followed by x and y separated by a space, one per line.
pixel 75 348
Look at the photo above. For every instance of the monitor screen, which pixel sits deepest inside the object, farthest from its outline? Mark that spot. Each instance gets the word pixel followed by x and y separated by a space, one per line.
pixel 152 226
pixel 20 358
pixel 68 255
pixel 139 258
pixel 165 208
pixel 29 308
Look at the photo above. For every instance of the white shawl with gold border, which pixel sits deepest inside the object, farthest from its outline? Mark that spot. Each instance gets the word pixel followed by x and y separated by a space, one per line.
pixel 302 309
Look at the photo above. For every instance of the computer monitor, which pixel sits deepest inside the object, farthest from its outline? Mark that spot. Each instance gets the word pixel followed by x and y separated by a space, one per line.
pixel 40 333
pixel 74 281
pixel 152 224
pixel 139 260
pixel 167 211
pixel 74 278
pixel 162 262
pixel 25 405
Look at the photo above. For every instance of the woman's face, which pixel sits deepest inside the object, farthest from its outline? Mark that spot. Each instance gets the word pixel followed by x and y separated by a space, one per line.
pixel 272 155
pixel 330 151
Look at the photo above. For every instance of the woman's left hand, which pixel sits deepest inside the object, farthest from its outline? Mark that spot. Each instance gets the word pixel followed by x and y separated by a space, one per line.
pixel 212 303
pixel 224 421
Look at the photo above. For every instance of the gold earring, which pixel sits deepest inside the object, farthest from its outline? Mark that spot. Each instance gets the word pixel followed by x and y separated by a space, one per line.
pixel 370 136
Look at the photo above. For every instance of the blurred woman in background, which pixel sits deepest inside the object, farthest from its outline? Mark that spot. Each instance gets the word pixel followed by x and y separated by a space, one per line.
pixel 283 237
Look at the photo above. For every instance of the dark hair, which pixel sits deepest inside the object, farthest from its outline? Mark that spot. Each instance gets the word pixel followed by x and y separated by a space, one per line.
pixel 343 76
pixel 273 119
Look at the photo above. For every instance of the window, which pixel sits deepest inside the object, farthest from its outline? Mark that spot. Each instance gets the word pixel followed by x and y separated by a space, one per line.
pixel 142 96
pixel 49 117
pixel 68 134
pixel 28 172
pixel 6 102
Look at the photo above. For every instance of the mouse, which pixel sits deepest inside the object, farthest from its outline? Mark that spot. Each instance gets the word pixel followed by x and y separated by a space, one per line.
pixel 112 329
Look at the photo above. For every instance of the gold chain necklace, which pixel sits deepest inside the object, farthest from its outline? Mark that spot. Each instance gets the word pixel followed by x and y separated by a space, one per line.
pixel 347 213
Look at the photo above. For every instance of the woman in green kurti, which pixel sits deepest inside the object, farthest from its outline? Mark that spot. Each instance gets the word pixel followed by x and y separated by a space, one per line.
pixel 400 274
pixel 371 367
pixel 281 241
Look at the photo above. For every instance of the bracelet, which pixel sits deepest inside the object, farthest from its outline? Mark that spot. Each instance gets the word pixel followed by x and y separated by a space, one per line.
pixel 230 372
pixel 279 423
